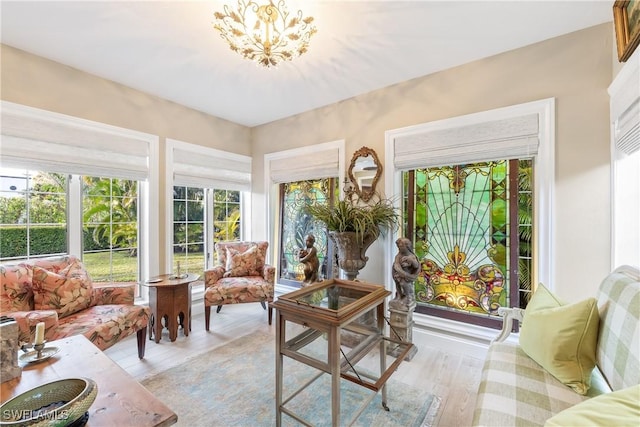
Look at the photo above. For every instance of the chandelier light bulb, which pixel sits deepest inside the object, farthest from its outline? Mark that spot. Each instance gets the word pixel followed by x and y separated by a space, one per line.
pixel 265 32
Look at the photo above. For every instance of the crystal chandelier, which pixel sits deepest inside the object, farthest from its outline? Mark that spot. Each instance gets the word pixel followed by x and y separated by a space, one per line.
pixel 265 33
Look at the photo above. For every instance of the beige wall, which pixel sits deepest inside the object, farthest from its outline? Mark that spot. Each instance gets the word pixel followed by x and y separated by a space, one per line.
pixel 37 82
pixel 576 69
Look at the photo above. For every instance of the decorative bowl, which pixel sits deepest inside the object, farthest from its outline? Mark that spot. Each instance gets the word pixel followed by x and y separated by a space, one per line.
pixel 58 403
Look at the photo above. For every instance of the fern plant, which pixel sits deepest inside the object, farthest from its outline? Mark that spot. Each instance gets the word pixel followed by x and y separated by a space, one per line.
pixel 369 220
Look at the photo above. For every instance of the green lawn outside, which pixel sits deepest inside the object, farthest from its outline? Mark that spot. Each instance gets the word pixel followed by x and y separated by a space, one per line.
pixel 125 267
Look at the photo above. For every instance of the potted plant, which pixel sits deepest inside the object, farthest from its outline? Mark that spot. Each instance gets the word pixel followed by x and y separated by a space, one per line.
pixel 354 227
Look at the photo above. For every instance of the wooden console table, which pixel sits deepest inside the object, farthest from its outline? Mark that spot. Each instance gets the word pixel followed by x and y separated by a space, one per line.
pixel 170 299
pixel 121 400
pixel 327 309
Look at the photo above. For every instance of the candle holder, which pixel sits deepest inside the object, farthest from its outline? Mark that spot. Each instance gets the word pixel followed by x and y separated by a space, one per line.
pixel 38 348
pixel 38 354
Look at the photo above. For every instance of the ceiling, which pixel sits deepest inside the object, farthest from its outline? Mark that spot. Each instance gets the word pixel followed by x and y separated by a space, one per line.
pixel 170 49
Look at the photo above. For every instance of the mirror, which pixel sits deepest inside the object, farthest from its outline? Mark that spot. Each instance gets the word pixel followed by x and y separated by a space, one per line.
pixel 364 172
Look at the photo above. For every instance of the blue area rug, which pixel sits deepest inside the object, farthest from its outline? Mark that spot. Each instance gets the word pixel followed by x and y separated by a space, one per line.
pixel 234 385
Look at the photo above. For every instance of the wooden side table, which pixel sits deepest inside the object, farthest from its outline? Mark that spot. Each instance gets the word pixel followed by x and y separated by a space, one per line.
pixel 321 312
pixel 170 299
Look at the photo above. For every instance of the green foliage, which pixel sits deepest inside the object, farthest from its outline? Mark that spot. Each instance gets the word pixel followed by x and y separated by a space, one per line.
pixel 228 229
pixel 112 206
pixel 525 209
pixel 43 240
pixel 373 219
pixel 12 210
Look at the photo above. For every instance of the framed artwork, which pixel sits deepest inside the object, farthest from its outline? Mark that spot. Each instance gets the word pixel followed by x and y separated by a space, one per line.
pixel 626 20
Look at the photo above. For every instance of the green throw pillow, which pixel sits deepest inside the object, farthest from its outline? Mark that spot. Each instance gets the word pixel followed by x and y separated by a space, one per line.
pixel 561 337
pixel 620 408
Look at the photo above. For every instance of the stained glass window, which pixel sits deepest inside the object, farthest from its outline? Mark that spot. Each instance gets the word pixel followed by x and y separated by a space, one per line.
pixel 471 228
pixel 296 224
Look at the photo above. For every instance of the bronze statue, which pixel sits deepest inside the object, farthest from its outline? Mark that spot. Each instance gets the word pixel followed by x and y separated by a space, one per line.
pixel 406 267
pixel 309 257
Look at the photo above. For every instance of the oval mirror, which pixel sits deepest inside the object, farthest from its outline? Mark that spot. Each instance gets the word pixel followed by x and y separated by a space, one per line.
pixel 364 172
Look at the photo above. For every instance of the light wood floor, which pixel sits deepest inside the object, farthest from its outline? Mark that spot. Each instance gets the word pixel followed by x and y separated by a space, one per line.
pixel 451 375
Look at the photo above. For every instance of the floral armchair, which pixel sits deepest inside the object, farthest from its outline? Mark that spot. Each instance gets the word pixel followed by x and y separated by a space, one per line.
pixel 59 292
pixel 240 276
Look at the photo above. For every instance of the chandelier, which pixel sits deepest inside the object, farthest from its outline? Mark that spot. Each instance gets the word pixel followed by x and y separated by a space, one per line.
pixel 265 33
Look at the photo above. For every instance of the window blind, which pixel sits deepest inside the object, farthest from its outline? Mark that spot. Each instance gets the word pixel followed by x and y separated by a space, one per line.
pixel 509 138
pixel 300 166
pixel 41 140
pixel 627 129
pixel 198 166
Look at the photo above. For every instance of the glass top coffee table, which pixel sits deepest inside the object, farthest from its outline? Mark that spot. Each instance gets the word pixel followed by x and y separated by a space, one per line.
pixel 311 323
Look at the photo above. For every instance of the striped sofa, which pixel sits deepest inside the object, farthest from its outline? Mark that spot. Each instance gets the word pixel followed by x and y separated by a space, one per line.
pixel 516 391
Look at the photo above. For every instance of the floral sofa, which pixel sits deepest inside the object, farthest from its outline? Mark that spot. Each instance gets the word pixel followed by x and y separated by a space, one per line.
pixel 59 292
pixel 240 276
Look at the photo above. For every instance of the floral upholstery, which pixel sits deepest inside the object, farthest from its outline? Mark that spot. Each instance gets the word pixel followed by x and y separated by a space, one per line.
pixel 116 322
pixel 105 315
pixel 16 293
pixel 241 276
pixel 67 292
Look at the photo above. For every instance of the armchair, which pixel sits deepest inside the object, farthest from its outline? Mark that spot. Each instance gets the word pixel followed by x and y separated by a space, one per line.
pixel 240 276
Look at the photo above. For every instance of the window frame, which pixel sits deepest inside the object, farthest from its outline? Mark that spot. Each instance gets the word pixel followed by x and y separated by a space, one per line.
pixel 105 137
pixel 543 163
pixel 272 215
pixel 207 185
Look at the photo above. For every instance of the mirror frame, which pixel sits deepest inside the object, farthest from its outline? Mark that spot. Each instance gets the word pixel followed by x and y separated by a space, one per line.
pixel 368 194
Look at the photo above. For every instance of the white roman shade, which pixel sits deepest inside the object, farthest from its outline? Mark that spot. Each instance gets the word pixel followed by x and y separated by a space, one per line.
pixel 509 138
pixel 302 165
pixel 625 107
pixel 198 166
pixel 627 129
pixel 41 140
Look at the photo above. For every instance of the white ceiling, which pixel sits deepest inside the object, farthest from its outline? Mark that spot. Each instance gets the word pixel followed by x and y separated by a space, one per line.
pixel 171 50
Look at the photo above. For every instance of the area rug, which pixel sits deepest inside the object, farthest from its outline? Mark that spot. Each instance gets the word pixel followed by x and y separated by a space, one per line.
pixel 234 385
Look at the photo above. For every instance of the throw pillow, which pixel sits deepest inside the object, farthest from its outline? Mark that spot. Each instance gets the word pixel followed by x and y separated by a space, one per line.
pixel 561 337
pixel 66 292
pixel 619 408
pixel 247 263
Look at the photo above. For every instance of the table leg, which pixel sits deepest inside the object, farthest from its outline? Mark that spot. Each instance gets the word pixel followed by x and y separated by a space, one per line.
pixel 150 326
pixel 383 352
pixel 172 325
pixel 279 360
pixel 334 366
pixel 158 328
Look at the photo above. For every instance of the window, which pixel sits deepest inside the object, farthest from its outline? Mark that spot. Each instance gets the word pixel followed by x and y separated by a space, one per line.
pixel 626 207
pixel 190 225
pixel 470 187
pixel 471 227
pixel 226 215
pixel 33 214
pixel 296 225
pixel 625 164
pixel 296 177
pixel 110 225
pixel 35 221
pixel 96 183
pixel 207 202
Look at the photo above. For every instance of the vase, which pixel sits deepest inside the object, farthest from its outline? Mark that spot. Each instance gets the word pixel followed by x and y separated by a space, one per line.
pixel 351 251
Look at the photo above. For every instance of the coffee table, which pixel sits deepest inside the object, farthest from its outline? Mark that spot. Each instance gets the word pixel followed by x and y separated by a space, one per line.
pixel 121 400
pixel 170 299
